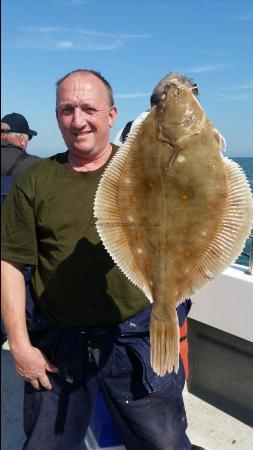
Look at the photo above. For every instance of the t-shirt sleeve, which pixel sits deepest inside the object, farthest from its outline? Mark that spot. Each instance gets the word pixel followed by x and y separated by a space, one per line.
pixel 18 233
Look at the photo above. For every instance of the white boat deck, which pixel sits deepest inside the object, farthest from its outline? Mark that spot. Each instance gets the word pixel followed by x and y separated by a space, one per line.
pixel 208 426
pixel 213 429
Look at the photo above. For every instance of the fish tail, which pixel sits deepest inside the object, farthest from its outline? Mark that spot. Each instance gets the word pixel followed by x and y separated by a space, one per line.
pixel 164 336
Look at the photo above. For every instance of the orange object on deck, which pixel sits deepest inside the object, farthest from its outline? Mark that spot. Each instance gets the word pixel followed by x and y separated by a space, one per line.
pixel 184 348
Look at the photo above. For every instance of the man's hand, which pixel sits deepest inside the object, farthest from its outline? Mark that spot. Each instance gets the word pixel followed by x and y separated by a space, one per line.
pixel 32 365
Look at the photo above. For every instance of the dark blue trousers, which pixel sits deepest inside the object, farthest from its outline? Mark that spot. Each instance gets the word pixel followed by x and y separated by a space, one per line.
pixel 148 410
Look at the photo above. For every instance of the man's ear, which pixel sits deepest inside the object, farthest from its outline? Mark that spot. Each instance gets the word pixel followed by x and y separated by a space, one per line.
pixel 112 116
pixel 23 142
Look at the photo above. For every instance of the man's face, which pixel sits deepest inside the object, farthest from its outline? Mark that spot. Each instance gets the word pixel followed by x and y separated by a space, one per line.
pixel 84 114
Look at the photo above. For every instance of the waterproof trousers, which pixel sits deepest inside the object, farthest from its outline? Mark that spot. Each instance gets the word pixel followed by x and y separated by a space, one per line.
pixel 148 410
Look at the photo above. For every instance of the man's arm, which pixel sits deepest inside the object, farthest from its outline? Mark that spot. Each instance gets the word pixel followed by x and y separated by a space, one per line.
pixel 31 363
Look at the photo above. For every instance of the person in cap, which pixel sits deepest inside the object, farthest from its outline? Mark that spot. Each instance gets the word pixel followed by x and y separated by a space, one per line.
pixel 15 134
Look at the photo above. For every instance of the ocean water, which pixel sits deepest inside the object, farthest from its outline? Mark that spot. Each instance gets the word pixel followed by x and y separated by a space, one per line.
pixel 247 166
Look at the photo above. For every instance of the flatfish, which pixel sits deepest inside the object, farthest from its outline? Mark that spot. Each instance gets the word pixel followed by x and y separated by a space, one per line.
pixel 172 211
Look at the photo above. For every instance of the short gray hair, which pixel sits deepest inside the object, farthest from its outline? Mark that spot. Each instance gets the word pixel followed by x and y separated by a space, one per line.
pixel 92 72
pixel 159 88
pixel 14 134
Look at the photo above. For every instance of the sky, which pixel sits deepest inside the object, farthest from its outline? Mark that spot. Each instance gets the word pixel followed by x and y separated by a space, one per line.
pixel 133 44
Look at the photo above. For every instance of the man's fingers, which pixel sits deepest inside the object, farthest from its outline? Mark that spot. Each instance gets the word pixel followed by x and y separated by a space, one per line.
pixel 41 382
pixel 35 384
pixel 33 368
pixel 45 383
pixel 51 368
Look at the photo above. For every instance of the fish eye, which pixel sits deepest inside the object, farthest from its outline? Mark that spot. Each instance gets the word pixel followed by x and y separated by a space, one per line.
pixel 176 92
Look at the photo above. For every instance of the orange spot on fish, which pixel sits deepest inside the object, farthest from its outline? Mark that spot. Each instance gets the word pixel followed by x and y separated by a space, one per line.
pixel 134 199
pixel 210 206
pixel 188 254
pixel 184 196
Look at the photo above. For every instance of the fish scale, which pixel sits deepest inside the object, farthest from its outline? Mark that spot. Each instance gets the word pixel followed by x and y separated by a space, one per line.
pixel 181 212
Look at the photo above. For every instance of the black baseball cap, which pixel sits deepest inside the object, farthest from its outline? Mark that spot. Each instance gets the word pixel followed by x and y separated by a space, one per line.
pixel 16 123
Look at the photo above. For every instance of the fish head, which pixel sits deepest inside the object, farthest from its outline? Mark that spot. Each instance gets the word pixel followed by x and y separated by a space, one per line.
pixel 179 113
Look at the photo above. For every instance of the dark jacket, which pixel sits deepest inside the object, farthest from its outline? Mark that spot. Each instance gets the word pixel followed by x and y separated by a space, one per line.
pixel 14 160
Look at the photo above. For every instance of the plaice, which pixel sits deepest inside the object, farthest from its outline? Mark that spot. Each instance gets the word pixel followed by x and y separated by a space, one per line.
pixel 172 212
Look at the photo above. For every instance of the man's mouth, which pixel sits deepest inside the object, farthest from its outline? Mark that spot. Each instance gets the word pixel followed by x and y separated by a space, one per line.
pixel 83 133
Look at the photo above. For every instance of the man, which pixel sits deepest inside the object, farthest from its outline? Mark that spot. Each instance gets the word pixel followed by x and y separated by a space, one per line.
pixel 15 134
pixel 85 302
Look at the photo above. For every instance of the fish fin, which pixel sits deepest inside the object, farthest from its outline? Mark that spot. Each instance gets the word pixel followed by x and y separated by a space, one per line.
pixel 234 228
pixel 109 223
pixel 164 337
pixel 237 219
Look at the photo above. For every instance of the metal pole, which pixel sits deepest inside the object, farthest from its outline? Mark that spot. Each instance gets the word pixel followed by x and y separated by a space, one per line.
pixel 250 268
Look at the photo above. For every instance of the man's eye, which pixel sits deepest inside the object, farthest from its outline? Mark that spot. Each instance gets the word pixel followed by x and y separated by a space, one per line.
pixel 67 110
pixel 90 110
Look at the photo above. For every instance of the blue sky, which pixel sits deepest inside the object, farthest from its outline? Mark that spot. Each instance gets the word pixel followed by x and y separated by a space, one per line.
pixel 133 44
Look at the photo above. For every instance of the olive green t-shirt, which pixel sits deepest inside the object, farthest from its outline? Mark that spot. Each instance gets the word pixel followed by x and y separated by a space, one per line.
pixel 48 223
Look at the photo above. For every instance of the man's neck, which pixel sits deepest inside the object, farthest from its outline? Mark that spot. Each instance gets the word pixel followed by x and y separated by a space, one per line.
pixel 89 164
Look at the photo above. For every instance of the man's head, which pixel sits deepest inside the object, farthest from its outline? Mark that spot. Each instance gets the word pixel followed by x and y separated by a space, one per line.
pixel 159 88
pixel 15 130
pixel 85 112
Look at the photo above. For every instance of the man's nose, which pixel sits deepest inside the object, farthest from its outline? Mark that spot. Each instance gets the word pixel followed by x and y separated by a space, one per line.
pixel 78 119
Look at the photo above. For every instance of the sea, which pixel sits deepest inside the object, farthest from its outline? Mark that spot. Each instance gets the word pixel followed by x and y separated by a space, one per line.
pixel 247 166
